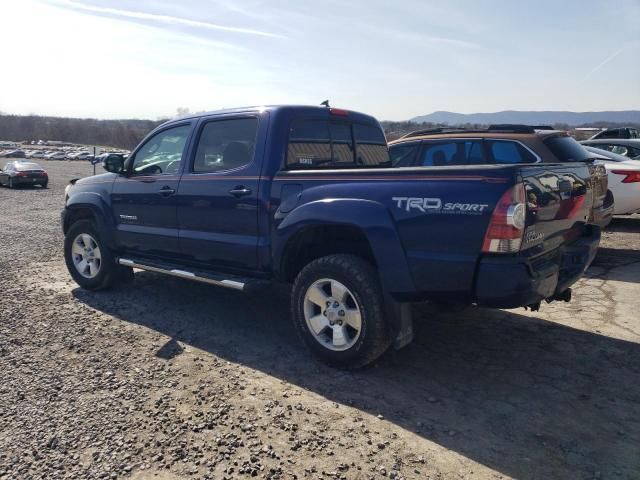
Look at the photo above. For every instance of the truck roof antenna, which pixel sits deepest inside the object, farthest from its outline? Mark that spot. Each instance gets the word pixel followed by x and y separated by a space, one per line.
pixel 325 103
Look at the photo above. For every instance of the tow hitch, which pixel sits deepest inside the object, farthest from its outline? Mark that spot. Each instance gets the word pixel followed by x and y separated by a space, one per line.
pixel 564 296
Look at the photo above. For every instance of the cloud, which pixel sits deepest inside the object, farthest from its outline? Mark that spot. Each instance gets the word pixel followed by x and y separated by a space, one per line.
pixel 166 19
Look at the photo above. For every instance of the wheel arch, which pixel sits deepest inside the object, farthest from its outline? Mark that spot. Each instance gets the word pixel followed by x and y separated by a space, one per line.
pixel 88 206
pixel 361 227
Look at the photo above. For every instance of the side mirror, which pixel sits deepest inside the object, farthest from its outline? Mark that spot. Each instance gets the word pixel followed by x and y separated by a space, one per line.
pixel 113 163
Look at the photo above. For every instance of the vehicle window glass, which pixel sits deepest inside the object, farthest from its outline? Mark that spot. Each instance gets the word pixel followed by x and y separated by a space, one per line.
pixel 506 152
pixel 226 144
pixel 341 143
pixel 437 154
pixel 371 146
pixel 28 166
pixel 403 155
pixel 633 152
pixel 619 149
pixel 566 149
pixel 309 144
pixel 162 153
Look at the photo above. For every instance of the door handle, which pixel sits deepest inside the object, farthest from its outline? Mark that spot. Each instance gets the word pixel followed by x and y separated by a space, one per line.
pixel 240 191
pixel 167 191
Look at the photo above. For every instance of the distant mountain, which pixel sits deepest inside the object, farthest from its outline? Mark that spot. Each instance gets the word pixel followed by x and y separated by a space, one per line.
pixel 531 118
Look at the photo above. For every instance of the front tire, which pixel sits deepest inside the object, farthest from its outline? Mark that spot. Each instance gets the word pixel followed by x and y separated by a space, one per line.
pixel 89 260
pixel 337 307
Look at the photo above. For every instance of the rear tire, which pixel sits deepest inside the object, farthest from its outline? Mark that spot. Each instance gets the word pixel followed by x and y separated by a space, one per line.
pixel 331 295
pixel 82 246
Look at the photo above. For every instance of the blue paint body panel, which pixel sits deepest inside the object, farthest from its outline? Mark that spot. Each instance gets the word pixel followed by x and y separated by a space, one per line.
pixel 420 251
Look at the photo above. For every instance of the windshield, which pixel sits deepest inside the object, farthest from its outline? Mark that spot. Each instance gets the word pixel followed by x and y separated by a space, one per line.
pixel 566 149
pixel 27 166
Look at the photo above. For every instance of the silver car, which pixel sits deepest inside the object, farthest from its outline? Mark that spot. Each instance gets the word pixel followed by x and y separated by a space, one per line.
pixel 625 147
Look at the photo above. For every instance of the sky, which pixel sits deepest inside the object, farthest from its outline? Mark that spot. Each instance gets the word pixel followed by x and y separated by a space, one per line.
pixel 394 60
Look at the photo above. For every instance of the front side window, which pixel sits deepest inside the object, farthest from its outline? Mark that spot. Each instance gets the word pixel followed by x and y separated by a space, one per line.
pixel 444 153
pixel 162 153
pixel 507 153
pixel 226 145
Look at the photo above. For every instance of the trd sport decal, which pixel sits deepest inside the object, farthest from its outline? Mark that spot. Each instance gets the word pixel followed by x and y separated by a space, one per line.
pixel 435 205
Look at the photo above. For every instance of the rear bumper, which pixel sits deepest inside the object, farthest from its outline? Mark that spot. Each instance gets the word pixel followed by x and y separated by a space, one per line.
pixel 602 216
pixel 29 180
pixel 516 282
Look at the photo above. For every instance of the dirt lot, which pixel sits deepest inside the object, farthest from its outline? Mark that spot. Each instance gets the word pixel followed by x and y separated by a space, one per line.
pixel 171 379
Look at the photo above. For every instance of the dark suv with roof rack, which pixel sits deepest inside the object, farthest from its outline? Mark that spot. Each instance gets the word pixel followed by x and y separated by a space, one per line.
pixel 501 145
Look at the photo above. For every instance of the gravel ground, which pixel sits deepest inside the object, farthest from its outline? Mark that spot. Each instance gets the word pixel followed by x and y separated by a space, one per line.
pixel 171 379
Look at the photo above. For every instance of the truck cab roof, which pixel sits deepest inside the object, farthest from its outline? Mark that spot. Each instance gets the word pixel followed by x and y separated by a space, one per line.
pixel 291 110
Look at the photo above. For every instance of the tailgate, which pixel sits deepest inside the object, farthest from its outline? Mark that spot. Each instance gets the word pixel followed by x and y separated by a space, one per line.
pixel 559 201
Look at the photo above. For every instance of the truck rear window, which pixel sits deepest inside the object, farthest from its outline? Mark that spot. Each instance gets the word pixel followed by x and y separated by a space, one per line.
pixel 566 149
pixel 317 144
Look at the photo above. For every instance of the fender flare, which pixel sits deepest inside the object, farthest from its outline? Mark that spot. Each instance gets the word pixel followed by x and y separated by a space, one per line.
pixel 95 203
pixel 372 218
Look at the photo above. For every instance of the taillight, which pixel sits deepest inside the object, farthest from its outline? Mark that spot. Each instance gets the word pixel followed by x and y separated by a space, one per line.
pixel 504 234
pixel 21 174
pixel 632 176
pixel 44 174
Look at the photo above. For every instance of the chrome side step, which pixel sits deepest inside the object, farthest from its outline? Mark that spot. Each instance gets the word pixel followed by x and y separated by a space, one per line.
pixel 222 282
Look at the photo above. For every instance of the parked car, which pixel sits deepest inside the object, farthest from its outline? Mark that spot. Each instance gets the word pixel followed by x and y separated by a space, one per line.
pixel 621 132
pixel 624 180
pixel 84 156
pixel 501 145
pixel 628 148
pixel 307 195
pixel 13 154
pixel 19 173
pixel 37 154
pixel 56 156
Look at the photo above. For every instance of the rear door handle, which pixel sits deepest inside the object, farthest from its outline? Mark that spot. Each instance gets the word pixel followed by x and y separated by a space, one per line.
pixel 167 191
pixel 240 191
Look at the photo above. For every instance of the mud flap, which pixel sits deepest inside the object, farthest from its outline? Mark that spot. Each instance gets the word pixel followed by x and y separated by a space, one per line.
pixel 400 319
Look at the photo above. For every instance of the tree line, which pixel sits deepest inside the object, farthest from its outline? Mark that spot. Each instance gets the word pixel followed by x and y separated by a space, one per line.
pixel 87 131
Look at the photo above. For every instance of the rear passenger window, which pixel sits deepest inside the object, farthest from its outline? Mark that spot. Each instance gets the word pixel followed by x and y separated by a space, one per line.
pixel 371 146
pixel 507 152
pixel 437 154
pixel 225 145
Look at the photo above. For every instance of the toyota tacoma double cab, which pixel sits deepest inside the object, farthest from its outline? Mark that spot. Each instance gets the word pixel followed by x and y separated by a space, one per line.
pixel 308 196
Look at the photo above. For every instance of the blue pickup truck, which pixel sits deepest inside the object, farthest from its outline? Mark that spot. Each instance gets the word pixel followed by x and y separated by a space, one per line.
pixel 308 196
